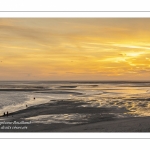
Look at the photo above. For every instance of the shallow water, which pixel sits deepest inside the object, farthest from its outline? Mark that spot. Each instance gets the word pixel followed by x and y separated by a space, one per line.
pixel 60 118
pixel 134 96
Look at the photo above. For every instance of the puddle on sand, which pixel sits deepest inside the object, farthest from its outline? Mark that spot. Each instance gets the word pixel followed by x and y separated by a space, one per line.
pixel 72 118
pixel 60 118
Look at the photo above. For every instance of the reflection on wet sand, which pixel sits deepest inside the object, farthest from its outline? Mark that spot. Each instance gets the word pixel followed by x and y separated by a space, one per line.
pixel 76 103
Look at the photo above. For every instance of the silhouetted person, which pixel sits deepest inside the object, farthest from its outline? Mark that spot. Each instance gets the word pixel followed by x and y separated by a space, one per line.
pixel 7 113
pixel 4 113
pixel 26 105
pixel 34 97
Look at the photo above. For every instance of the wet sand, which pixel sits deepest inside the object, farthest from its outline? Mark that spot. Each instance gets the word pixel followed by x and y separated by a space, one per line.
pixel 138 124
pixel 99 120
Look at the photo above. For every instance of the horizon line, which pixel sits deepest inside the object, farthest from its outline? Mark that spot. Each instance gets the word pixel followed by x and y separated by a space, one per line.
pixel 80 80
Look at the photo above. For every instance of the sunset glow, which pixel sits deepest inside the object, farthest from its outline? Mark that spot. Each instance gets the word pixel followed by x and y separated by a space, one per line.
pixel 75 49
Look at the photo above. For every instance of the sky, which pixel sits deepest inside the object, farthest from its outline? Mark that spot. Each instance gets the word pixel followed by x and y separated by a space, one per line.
pixel 74 48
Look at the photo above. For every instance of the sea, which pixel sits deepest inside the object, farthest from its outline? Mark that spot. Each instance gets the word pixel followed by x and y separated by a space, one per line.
pixel 134 96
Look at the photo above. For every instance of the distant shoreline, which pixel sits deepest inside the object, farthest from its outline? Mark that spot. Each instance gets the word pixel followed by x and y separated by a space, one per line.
pixel 84 81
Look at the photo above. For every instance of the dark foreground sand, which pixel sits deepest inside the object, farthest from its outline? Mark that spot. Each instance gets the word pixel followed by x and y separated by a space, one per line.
pixel 99 119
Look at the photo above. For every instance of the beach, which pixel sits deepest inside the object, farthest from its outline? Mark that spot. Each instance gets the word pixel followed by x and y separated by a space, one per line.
pixel 93 119
pixel 74 106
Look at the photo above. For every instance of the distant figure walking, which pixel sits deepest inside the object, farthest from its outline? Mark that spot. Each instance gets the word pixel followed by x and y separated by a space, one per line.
pixel 26 105
pixel 7 113
pixel 34 97
pixel 4 113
